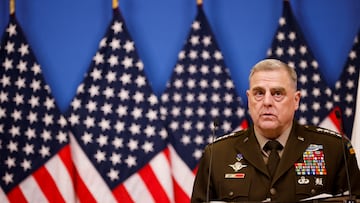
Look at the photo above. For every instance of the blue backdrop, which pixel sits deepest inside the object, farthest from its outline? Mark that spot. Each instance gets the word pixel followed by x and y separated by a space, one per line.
pixel 64 35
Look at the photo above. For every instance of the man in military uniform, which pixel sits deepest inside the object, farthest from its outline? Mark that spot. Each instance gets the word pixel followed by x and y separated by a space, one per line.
pixel 275 159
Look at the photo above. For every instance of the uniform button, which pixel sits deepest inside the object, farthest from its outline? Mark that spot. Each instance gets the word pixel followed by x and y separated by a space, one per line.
pixel 313 191
pixel 231 193
pixel 273 191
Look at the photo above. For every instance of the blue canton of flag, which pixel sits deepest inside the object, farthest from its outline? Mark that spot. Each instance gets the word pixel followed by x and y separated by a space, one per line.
pixel 116 124
pixel 34 140
pixel 346 88
pixel 199 92
pixel 289 45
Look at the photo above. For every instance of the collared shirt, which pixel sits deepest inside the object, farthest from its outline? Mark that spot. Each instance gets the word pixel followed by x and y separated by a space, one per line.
pixel 263 140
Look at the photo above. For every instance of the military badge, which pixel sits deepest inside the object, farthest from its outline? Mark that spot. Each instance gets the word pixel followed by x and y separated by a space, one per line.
pixel 314 161
pixel 238 165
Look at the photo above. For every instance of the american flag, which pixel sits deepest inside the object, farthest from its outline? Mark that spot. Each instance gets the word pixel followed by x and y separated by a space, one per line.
pixel 199 93
pixel 119 144
pixel 35 161
pixel 289 45
pixel 346 88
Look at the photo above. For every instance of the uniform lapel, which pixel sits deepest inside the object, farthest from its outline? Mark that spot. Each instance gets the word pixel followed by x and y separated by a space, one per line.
pixel 293 151
pixel 252 154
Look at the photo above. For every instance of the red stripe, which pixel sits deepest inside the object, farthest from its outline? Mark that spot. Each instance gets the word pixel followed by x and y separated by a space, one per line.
pixel 16 195
pixel 121 195
pixel 180 195
pixel 48 185
pixel 65 156
pixel 81 190
pixel 334 118
pixel 153 184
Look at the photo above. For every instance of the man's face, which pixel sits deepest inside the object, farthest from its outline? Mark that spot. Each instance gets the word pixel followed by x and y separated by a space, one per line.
pixel 272 101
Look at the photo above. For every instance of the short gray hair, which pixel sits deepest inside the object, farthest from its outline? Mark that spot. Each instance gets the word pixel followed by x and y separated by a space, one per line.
pixel 274 64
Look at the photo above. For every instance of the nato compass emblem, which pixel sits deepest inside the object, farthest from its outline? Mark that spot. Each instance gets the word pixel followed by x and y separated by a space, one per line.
pixel 237 166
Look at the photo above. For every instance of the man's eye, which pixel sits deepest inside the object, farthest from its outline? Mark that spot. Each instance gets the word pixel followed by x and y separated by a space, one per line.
pixel 258 95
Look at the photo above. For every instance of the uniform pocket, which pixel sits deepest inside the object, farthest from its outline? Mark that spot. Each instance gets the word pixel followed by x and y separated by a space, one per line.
pixel 234 189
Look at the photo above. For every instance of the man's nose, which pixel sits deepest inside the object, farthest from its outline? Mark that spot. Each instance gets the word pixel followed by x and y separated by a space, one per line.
pixel 268 99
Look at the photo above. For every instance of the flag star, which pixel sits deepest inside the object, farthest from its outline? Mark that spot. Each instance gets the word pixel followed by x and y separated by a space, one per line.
pixel 26 165
pixel 49 103
pixel 32 117
pixel 130 161
pixel 153 100
pixel 36 69
pixel 350 84
pixel 316 106
pixel 152 115
pixel 177 97
pixel 303 107
pixel 190 97
pixel 113 174
pixel 133 144
pixel 103 42
pixel 5 81
pixel 316 92
pixel 30 133
pixel 200 126
pixel 118 143
pixel 111 76
pixel 102 140
pixel 14 131
pixel 87 138
pixel 115 158
pixel 9 47
pixel 201 112
pixel 197 154
pixel 348 112
pixel 280 36
pixel 22 66
pixel 94 90
pixel 100 156
pixel 228 98
pixel 89 122
pixel 125 78
pixel 44 151
pixel 148 147
pixel 91 106
pixel 138 97
pixel 149 131
pixel 35 85
pixel 134 129
pixel 76 104
pixel 46 135
pixel 62 137
pixel 121 111
pixel 226 126
pixel 163 134
pixel 282 21
pixel 178 84
pixel 303 50
pixel 187 125
pixel 215 98
pixel 113 61
pixel 136 113
pixel 16 115
pixel 194 40
pixel 349 98
pixel 291 51
pixel 196 25
pixel 174 125
pixel 192 69
pixel 11 30
pixel 104 124
pixel 119 126
pixel 2 113
pixel 28 149
pixel 7 64
pixel 129 46
pixel 205 55
pixel 19 99
pixel 24 49
pixel 279 51
pixel 292 36
pixel 218 55
pixel 127 62
pixel 185 140
pixel 202 97
pixel 20 83
pixel 117 27
pixel 74 119
pixel 207 41
pixel 316 78
pixel 179 69
pixel 214 112
pixel 352 55
pixel 96 74
pixel 191 83
pixel 48 119
pixel 175 111
pixel 99 59
pixel 8 178
pixel 115 44
pixel 193 55
pixel 106 108
pixel 188 112
pixel 10 162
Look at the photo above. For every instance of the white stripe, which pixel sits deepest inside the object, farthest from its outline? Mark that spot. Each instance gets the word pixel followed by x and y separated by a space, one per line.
pixel 32 190
pixel 355 137
pixel 137 189
pixel 329 124
pixel 3 197
pixel 181 172
pixel 90 176
pixel 161 167
pixel 63 180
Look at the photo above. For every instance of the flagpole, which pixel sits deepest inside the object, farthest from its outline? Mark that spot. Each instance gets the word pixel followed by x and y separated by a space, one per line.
pixel 12 7
pixel 115 4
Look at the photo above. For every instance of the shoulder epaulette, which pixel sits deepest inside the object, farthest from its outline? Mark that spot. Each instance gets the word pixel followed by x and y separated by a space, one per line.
pixel 322 130
pixel 228 135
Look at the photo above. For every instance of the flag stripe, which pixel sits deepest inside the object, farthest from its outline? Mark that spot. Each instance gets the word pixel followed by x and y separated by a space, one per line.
pixel 16 195
pixel 121 194
pixel 150 180
pixel 31 190
pixel 137 189
pixel 47 185
pixel 180 195
pixel 96 186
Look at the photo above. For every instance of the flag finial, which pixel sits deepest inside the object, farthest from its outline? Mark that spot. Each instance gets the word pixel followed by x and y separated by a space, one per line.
pixel 12 6
pixel 115 4
pixel 199 2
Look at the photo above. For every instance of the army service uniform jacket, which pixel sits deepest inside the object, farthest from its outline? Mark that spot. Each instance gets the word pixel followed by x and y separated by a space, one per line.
pixel 312 163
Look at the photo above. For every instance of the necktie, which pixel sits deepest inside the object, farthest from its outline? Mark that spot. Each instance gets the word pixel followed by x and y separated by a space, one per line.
pixel 274 158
